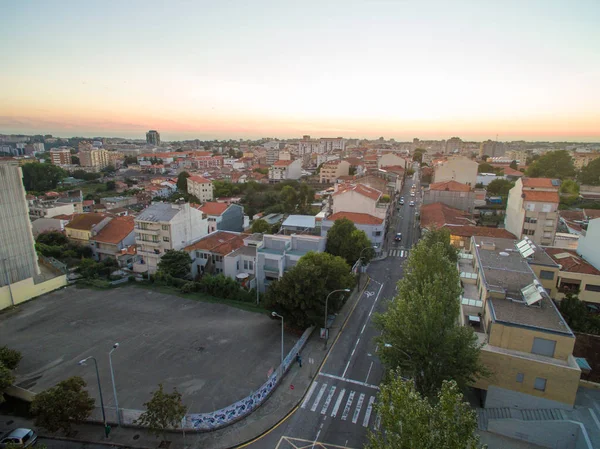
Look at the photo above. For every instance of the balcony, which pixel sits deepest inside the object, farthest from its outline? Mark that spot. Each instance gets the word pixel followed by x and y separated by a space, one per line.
pixel 147 231
pixel 271 271
pixel 147 242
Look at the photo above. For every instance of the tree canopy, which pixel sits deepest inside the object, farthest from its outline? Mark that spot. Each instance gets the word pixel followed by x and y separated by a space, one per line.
pixel 570 187
pixel 410 421
pixel 163 411
pixel 39 177
pixel 420 335
pixel 52 238
pixel 299 295
pixel 175 263
pixel 182 181
pixel 86 176
pixel 514 165
pixel 499 187
pixel 9 360
pixel 62 405
pixel 590 174
pixel 260 226
pixel 553 164
pixel 578 316
pixel 348 242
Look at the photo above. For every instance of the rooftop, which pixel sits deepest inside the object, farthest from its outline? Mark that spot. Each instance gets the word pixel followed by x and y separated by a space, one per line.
pixel 115 231
pixel 218 242
pixel 571 262
pixel 282 163
pixel 85 222
pixel 452 186
pixel 300 221
pixel 540 183
pixel 541 196
pixel 469 231
pixel 440 214
pixel 158 212
pixel 199 179
pixel 357 218
pixel 213 208
pixel 362 189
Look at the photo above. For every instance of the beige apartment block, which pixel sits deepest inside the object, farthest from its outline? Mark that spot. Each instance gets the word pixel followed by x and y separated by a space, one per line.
pixel 332 170
pixel 97 158
pixel 60 156
pixel 200 187
pixel 456 168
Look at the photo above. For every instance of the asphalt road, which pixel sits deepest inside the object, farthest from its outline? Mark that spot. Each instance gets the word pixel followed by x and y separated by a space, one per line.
pixel 338 408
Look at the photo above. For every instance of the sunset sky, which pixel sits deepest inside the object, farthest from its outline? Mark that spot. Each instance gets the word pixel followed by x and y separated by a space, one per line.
pixel 523 69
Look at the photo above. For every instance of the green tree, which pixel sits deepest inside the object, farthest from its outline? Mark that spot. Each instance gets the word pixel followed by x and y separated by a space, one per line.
pixel 175 263
pixel 9 360
pixel 260 226
pixel 348 242
pixel 111 185
pixel 42 177
pixel 82 174
pixel 485 157
pixel 299 295
pixel 289 199
pixel 590 174
pixel 418 155
pixel 569 187
pixel 410 421
pixel 420 335
pixel 499 187
pixel 484 167
pixel 182 181
pixel 109 169
pixel 163 411
pixel 52 238
pixel 62 405
pixel 306 196
pixel 554 164
pixel 514 165
pixel 75 160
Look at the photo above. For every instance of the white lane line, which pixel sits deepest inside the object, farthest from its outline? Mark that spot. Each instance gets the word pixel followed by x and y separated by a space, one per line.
pixel 368 411
pixel 328 400
pixel 309 394
pixel 363 328
pixel 338 402
pixel 361 398
pixel 370 367
pixel 356 344
pixel 594 417
pixel 316 439
pixel 352 381
pixel 348 405
pixel 318 398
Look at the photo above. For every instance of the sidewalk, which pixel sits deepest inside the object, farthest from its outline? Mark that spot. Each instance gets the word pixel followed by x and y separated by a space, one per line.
pixel 284 400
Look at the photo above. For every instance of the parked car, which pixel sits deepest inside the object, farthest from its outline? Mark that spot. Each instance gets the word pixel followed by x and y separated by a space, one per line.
pixel 398 237
pixel 412 203
pixel 22 437
pixel 401 202
pixel 412 193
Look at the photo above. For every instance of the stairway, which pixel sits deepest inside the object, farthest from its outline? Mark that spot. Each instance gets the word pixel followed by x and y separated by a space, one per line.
pixel 547 414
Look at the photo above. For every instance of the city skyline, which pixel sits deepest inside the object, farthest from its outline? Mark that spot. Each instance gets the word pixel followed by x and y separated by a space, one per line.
pixel 354 69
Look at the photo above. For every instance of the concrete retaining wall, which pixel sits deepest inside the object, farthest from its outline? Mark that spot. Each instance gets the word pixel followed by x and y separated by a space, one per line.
pixel 497 397
pixel 27 289
pixel 551 434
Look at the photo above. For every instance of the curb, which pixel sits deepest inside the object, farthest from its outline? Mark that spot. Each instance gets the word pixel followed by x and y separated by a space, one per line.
pixel 295 407
pixel 104 442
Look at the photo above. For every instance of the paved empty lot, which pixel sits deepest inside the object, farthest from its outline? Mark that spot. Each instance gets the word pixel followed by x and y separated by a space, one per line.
pixel 214 354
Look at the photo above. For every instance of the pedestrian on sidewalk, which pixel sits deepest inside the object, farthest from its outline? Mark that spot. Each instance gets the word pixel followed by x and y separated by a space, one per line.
pixel 299 359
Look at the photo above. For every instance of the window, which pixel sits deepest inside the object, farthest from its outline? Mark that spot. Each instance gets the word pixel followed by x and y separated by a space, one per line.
pixel 377 233
pixel 549 275
pixel 237 265
pixel 549 223
pixel 520 377
pixel 528 231
pixel 197 253
pixel 543 346
pixel 540 384
pixel 530 207
pixel 165 239
pixel 165 227
pixel 547 208
pixel 592 288
pixel 530 220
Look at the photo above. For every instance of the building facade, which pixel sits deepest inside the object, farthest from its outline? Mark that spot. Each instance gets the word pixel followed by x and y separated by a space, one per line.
pixel 95 158
pixel 153 138
pixel 451 193
pixel 200 187
pixel 456 168
pixel 282 170
pixel 60 156
pixel 332 170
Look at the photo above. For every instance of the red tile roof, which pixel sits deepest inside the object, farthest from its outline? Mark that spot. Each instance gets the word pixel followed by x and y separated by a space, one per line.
pixel 213 208
pixel 199 179
pixel 219 242
pixel 282 163
pixel 451 186
pixel 469 231
pixel 398 169
pixel 115 231
pixel 364 219
pixel 439 214
pixel 533 183
pixel 591 213
pixel 570 261
pixel 540 196
pixel 85 222
pixel 362 189
pixel 64 217
pixel 512 172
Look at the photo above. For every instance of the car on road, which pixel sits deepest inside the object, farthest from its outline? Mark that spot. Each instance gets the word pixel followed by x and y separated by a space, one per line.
pixel 412 194
pixel 398 237
pixel 21 437
pixel 412 203
pixel 401 202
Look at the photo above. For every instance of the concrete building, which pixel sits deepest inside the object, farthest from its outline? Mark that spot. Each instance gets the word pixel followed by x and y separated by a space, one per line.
pixel 49 209
pixel 589 243
pixel 532 209
pixel 83 227
pixel 456 168
pixel 492 148
pixel 329 144
pixel 60 156
pixel 94 158
pixel 200 187
pixel 374 227
pixel 282 170
pixel 391 160
pixel 360 199
pixel 332 170
pixel 278 253
pixel 209 252
pixel 583 158
pixel 110 241
pixel 301 224
pixel 272 156
pixel 527 345
pixel 153 138
pixel 115 202
pixel 223 216
pixel 451 193
pixel 574 275
pixel 164 226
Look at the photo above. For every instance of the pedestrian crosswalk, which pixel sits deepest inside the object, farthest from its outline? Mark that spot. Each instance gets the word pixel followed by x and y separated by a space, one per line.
pixel 398 253
pixel 347 405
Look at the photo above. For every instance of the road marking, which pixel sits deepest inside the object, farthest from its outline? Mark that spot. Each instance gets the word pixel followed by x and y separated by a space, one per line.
pixel 309 394
pixel 361 398
pixel 363 328
pixel 348 405
pixel 594 417
pixel 377 421
pixel 318 398
pixel 368 373
pixel 352 381
pixel 316 438
pixel 368 411
pixel 338 402
pixel 328 400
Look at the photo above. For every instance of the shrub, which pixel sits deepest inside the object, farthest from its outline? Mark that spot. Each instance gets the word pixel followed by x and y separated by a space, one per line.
pixel 188 287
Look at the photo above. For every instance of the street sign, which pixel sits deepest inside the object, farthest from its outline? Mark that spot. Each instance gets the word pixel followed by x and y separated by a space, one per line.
pixel 324 333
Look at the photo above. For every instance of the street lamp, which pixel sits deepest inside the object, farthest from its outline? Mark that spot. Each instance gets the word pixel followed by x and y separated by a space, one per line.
pixel 276 315
pixel 112 375
pixel 82 363
pixel 326 301
pixel 363 250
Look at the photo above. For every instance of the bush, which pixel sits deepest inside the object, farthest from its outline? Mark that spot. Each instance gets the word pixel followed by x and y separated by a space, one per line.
pixel 131 278
pixel 188 287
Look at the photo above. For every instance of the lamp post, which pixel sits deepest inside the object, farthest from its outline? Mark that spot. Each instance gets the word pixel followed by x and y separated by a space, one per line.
pixel 112 375
pixel 275 314
pixel 82 362
pixel 363 250
pixel 12 300
pixel 326 301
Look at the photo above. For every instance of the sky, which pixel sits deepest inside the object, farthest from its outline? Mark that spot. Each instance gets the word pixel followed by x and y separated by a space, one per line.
pixel 523 69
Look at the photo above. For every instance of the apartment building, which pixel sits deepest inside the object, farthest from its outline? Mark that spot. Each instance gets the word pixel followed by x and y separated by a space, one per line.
pixel 527 345
pixel 532 209
pixel 272 155
pixel 451 193
pixel 200 187
pixel 60 156
pixel 94 158
pixel 332 170
pixel 164 226
pixel 589 242
pixel 209 252
pixel 223 216
pixel 374 227
pixel 282 170
pixel 391 160
pixel 276 254
pixel 456 168
pixel 115 202
pixel 492 148
pixel 359 198
pixel 83 227
pixel 49 209
pixel 583 158
pixel 153 138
